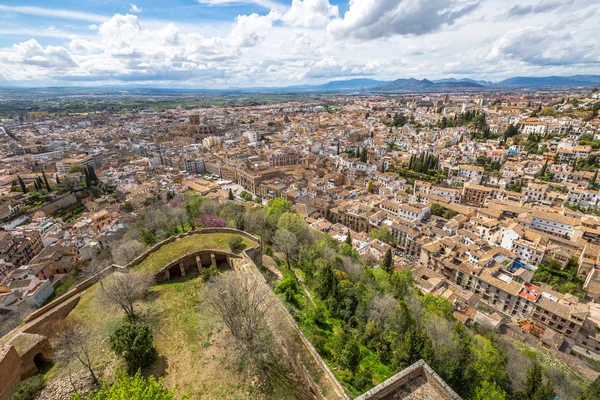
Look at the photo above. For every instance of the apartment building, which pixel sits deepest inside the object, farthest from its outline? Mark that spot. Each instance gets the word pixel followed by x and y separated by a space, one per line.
pixel 471 172
pixel 63 166
pixel 554 223
pixel 476 195
pixel 283 158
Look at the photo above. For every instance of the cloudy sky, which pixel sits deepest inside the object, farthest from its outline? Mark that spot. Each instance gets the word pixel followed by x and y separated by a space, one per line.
pixel 249 43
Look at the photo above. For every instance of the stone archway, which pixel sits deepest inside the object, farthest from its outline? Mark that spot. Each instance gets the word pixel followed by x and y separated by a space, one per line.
pixel 39 360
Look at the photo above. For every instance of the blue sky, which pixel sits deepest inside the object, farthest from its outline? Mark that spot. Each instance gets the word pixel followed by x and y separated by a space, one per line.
pixel 245 43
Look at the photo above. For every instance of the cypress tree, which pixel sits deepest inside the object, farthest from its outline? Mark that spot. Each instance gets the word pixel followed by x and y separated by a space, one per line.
pixel 230 194
pixel 22 184
pixel 92 172
pixel 57 180
pixel 88 180
pixel 48 188
pixel 544 167
pixel 349 238
pixel 36 186
pixel 387 264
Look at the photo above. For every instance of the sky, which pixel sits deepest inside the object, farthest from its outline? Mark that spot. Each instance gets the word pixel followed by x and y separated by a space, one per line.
pixel 262 43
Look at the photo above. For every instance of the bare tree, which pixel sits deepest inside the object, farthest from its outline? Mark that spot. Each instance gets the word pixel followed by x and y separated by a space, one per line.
pixel 126 250
pixel 154 219
pixel 242 303
pixel 124 289
pixel 100 260
pixel 381 307
pixel 73 342
pixel 287 243
pixel 11 320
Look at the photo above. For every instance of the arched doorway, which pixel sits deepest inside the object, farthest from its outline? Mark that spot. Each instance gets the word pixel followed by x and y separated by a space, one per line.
pixel 39 360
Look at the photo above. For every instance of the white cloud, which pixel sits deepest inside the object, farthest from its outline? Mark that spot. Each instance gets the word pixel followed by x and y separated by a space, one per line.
pixel 135 9
pixel 306 42
pixel 539 46
pixel 310 13
pixel 54 13
pixel 371 19
pixel 249 30
pixel 269 4
pixel 32 53
pixel 543 6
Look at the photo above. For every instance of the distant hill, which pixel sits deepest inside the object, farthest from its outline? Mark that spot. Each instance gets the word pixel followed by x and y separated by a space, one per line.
pixel 451 80
pixel 549 81
pixel 412 84
pixel 352 84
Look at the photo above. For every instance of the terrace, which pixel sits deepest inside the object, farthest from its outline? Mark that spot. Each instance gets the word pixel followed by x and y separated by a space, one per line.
pixel 530 292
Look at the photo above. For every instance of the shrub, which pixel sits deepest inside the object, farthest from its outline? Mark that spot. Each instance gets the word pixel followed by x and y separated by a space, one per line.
pixel 209 272
pixel 132 387
pixel 210 221
pixel 133 342
pixel 235 244
pixel 29 388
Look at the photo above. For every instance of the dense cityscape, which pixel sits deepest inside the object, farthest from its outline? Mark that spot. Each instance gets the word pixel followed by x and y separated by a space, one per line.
pixel 299 199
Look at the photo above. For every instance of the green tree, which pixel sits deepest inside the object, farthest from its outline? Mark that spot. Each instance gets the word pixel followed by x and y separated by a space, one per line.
pixel 287 243
pixel 236 244
pixel 489 391
pixel 148 237
pixel 132 387
pixel 382 234
pixel 350 356
pixel 363 156
pixel 128 207
pixel 325 282
pixel 22 184
pixel 276 207
pixel 88 179
pixel 544 167
pixel 349 239
pixel 593 391
pixel 401 282
pixel 511 131
pixel 534 388
pixel 76 168
pixel 48 188
pixel 231 194
pixel 294 223
pixel 437 209
pixel 133 342
pixel 387 264
pixel 92 172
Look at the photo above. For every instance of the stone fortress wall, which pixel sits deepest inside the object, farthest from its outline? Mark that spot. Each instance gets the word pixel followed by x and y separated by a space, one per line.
pixel 40 324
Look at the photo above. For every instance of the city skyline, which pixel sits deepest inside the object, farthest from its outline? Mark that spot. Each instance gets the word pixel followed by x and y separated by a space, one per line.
pixel 249 43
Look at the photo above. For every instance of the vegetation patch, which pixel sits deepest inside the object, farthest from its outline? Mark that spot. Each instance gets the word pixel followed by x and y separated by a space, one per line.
pixel 189 244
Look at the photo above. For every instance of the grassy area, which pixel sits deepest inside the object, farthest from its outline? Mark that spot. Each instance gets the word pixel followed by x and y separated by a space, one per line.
pixel 567 383
pixel 62 288
pixel 563 281
pixel 196 353
pixel 189 244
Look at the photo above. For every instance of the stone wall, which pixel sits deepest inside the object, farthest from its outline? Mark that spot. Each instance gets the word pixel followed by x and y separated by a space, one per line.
pixel 398 383
pixel 10 370
pixel 60 202
pixel 255 254
pixel 316 390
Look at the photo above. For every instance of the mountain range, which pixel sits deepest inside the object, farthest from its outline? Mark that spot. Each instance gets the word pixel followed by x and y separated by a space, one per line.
pixel 448 84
